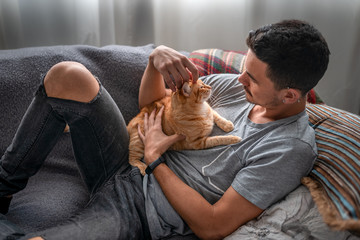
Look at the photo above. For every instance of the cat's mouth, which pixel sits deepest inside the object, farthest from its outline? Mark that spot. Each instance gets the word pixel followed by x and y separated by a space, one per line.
pixel 207 95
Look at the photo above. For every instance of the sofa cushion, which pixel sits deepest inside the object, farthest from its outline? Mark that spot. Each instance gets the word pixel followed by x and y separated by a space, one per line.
pixel 212 60
pixel 334 181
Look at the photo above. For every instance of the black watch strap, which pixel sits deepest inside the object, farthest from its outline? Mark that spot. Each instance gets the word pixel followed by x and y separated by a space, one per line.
pixel 153 165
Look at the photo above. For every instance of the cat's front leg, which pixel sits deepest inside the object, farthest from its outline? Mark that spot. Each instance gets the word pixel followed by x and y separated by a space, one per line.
pixel 221 140
pixel 139 164
pixel 209 142
pixel 136 162
pixel 223 123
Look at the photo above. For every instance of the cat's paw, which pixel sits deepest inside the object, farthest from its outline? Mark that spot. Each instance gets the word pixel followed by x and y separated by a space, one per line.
pixel 142 169
pixel 227 126
pixel 235 139
pixel 140 165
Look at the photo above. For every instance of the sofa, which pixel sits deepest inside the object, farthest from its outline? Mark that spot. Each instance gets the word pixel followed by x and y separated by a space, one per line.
pixel 325 206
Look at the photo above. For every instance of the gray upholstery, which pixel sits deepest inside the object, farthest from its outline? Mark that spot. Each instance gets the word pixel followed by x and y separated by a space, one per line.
pixel 56 191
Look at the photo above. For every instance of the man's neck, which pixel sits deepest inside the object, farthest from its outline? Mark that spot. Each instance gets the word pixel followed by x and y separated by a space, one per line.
pixel 260 114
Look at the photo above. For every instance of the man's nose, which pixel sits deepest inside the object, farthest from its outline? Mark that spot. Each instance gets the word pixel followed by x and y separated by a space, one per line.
pixel 243 79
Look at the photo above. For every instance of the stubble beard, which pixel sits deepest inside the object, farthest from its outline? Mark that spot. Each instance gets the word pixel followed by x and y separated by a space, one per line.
pixel 275 102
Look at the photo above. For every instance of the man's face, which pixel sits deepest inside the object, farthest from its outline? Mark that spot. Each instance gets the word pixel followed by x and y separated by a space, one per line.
pixel 259 88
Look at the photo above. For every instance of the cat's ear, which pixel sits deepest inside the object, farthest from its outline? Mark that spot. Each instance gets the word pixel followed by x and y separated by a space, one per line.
pixel 186 90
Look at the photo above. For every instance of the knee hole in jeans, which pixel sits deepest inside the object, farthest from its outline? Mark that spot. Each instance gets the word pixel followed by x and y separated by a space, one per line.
pixel 72 81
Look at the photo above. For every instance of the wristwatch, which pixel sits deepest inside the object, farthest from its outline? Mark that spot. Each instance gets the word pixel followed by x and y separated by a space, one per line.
pixel 150 168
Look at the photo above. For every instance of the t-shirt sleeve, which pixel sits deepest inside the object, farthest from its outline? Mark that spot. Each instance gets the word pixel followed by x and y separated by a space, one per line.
pixel 274 169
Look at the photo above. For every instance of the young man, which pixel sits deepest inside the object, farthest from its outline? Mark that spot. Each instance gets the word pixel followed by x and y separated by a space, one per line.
pixel 207 192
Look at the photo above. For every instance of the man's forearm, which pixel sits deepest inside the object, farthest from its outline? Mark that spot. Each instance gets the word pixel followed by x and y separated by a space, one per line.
pixel 190 205
pixel 152 86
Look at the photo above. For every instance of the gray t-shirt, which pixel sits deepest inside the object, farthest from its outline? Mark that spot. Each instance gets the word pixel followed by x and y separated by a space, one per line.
pixel 264 167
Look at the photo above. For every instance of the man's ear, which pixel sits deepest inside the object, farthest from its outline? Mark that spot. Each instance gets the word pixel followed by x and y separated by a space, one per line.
pixel 291 95
pixel 186 90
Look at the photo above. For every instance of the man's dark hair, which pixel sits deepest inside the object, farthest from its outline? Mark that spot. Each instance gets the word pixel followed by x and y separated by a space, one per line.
pixel 296 53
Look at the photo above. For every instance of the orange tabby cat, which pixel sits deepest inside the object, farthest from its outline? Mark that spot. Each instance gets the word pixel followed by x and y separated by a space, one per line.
pixel 186 112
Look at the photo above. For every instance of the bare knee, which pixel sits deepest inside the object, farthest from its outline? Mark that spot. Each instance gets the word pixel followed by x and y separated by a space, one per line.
pixel 71 80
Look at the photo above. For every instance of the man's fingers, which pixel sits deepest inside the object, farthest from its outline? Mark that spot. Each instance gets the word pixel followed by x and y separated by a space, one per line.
pixel 152 117
pixel 158 116
pixel 169 81
pixel 175 67
pixel 193 70
pixel 146 125
pixel 180 71
pixel 176 74
pixel 141 135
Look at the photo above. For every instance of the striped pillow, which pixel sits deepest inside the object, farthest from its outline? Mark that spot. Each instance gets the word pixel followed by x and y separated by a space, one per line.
pixel 213 60
pixel 334 181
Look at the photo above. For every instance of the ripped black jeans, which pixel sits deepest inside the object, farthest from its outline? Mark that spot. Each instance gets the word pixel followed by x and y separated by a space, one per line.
pixel 100 141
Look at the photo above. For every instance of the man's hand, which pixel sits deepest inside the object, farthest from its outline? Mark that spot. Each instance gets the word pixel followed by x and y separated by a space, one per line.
pixel 165 66
pixel 154 139
pixel 173 66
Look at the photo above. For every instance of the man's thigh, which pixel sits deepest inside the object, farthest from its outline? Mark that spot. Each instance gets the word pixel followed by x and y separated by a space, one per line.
pixel 99 136
pixel 116 211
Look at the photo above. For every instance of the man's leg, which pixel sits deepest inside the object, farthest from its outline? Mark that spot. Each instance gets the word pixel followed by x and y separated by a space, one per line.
pixel 70 94
pixel 98 133
pixel 35 137
pixel 100 142
pixel 116 211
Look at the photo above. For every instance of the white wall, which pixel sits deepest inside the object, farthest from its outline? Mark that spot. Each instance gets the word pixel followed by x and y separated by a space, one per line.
pixel 190 25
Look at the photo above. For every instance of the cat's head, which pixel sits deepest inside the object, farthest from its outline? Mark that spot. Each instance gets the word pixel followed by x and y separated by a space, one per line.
pixel 198 92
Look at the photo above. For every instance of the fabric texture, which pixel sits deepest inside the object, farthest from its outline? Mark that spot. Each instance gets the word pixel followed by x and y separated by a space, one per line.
pixel 295 217
pixel 335 179
pixel 213 60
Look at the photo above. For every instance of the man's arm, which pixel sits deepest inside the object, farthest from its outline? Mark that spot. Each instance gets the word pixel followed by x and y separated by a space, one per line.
pixel 164 64
pixel 206 221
